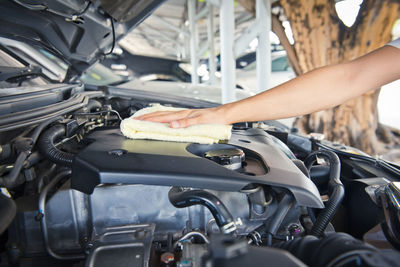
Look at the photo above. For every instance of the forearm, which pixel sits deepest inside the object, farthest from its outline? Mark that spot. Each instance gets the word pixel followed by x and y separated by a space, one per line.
pixel 319 89
pixel 301 95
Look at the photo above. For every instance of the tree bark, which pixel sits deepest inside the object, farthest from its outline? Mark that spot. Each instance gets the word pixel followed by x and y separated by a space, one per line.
pixel 322 39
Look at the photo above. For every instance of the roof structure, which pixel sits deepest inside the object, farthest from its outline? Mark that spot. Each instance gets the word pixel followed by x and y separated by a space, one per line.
pixel 166 32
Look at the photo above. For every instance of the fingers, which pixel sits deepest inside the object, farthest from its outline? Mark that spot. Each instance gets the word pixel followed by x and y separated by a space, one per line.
pixel 149 115
pixel 163 116
pixel 185 118
pixel 153 114
pixel 176 119
pixel 184 123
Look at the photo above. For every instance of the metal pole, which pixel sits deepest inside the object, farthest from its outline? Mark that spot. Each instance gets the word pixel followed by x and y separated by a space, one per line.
pixel 162 34
pixel 216 3
pixel 263 14
pixel 228 66
pixel 182 47
pixel 171 26
pixel 202 13
pixel 193 40
pixel 211 41
pixel 202 48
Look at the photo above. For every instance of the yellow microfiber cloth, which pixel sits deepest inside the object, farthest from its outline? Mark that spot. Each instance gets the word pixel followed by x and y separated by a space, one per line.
pixel 201 133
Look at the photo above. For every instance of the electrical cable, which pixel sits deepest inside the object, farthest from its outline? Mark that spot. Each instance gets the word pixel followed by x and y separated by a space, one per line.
pixel 113 36
pixel 40 7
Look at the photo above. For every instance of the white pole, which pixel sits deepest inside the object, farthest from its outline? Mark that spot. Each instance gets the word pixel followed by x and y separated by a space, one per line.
pixel 211 41
pixel 202 13
pixel 228 66
pixel 182 47
pixel 263 14
pixel 169 25
pixel 187 46
pixel 193 40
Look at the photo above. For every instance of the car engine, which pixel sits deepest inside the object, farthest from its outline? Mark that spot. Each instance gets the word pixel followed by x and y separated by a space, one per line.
pixel 88 196
pixel 75 192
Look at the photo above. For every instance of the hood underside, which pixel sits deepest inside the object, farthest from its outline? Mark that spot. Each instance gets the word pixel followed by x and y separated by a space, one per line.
pixel 80 32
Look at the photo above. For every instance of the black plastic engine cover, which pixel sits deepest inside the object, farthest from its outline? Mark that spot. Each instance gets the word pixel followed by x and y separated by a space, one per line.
pixel 112 158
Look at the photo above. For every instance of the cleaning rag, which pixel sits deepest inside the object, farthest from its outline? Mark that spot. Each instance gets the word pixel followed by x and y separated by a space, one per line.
pixel 201 133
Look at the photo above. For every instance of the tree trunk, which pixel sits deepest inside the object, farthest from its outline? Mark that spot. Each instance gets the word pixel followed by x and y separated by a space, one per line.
pixel 322 39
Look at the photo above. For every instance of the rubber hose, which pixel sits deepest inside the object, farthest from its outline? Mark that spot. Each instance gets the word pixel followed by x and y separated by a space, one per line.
pixel 327 214
pixel 335 186
pixel 334 161
pixel 36 133
pixel 282 210
pixel 8 209
pixel 50 151
pixel 183 199
pixel 11 180
pixel 328 251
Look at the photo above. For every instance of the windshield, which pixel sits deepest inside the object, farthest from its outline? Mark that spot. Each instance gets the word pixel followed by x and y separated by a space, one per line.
pixel 101 75
pixel 277 64
pixel 11 69
pixel 52 67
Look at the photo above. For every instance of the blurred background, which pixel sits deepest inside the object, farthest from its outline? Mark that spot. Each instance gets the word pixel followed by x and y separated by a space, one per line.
pixel 178 50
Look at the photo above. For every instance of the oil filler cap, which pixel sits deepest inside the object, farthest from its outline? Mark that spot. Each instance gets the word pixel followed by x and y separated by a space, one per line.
pixel 230 158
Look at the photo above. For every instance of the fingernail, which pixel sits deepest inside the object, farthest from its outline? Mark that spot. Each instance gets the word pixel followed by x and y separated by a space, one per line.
pixel 174 124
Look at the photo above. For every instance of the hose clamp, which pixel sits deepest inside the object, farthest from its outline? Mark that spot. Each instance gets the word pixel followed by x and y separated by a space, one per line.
pixel 228 228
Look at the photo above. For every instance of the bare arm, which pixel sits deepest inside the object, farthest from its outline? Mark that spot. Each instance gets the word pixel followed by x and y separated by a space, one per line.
pixel 316 90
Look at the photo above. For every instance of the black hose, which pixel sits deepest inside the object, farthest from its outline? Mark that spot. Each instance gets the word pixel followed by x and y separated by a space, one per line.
pixel 331 250
pixel 35 134
pixel 335 186
pixel 182 199
pixel 335 198
pixel 8 209
pixel 282 210
pixel 10 180
pixel 334 161
pixel 50 151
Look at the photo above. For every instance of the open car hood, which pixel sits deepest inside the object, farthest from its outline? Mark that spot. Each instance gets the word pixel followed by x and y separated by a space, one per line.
pixel 80 32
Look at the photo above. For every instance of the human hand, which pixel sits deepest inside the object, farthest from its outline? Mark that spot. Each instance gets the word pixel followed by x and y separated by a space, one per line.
pixel 187 117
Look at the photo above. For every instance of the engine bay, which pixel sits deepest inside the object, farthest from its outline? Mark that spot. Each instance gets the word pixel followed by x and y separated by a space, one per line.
pixel 79 193
pixel 75 192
